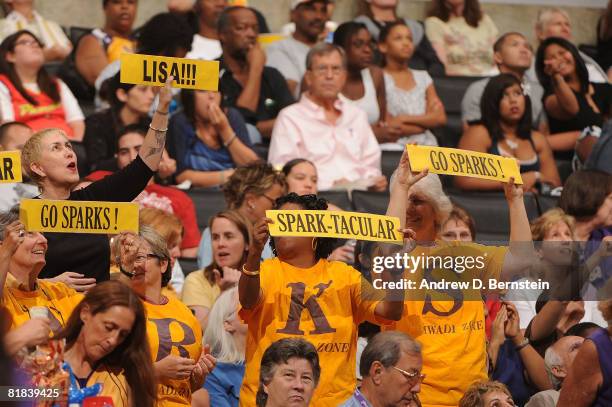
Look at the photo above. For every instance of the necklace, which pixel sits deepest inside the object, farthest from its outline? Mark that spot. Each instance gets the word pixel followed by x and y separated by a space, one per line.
pixel 512 144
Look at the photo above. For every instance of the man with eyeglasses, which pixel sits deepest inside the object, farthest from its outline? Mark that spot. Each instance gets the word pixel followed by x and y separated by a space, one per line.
pixel 333 134
pixel 391 366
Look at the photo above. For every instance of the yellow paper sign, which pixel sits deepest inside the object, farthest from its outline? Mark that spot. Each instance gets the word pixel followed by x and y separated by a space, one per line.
pixel 10 166
pixel 43 215
pixel 266 39
pixel 153 70
pixel 453 161
pixel 345 225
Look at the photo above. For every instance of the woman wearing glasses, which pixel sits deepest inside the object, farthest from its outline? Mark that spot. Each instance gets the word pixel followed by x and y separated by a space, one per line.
pixel 106 344
pixel 251 190
pixel 174 334
pixel 28 94
pixel 42 307
pixel 301 293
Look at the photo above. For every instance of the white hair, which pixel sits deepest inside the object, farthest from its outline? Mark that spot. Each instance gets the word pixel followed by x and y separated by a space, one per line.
pixel 222 344
pixel 431 188
pixel 544 16
pixel 552 359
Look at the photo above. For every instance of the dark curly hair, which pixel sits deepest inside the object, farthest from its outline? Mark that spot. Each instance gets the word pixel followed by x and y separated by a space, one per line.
pixel 325 245
pixel 581 68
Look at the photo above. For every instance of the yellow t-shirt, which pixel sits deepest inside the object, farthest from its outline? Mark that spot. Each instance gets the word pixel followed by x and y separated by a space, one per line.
pixel 172 329
pixel 58 298
pixel 449 323
pixel 329 305
pixel 198 291
pixel 469 50
pixel 113 385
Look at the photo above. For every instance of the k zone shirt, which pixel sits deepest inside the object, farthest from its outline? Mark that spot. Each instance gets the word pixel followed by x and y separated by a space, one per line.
pixel 173 330
pixel 346 150
pixel 323 305
pixel 449 323
pixel 59 299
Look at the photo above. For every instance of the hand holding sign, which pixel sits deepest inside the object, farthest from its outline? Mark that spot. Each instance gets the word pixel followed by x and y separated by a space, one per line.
pixel 512 191
pixel 165 95
pixel 261 234
pixel 404 176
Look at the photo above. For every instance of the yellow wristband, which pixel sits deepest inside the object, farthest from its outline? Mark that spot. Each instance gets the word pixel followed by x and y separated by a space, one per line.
pixel 249 273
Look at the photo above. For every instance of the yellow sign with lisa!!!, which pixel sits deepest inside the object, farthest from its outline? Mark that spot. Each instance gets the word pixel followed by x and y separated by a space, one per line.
pixel 154 71
pixel 453 161
pixel 340 224
pixel 10 167
pixel 43 215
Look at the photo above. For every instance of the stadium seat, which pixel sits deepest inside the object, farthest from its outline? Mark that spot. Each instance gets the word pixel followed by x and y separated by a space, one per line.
pixel 207 203
pixel 52 68
pixel 77 32
pixel 389 161
pixel 370 202
pixel 262 151
pixel 451 89
pixel 565 169
pixel 490 212
pixel 546 203
pixel 188 265
pixel 339 198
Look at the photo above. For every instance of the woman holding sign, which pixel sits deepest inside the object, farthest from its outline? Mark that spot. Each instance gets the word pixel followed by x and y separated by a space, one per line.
pixel 50 161
pixel 174 334
pixel 451 322
pixel 506 130
pixel 301 293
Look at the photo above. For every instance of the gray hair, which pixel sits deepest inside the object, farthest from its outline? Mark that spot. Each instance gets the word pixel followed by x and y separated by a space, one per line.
pixel 324 48
pixel 544 16
pixel 280 352
pixel 431 188
pixel 222 344
pixel 8 217
pixel 552 359
pixel 387 348
pixel 159 248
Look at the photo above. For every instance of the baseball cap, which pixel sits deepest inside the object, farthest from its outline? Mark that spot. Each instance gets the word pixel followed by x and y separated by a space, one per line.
pixel 296 3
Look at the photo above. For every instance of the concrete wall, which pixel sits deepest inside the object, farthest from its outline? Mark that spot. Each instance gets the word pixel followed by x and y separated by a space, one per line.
pixel 88 13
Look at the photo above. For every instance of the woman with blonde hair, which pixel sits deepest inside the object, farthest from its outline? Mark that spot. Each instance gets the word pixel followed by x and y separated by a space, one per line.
pixel 231 236
pixel 49 159
pixel 226 335
pixel 487 393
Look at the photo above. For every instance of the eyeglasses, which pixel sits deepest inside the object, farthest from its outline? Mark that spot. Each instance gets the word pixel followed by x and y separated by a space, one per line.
pixel 322 70
pixel 272 200
pixel 141 258
pixel 411 376
pixel 29 43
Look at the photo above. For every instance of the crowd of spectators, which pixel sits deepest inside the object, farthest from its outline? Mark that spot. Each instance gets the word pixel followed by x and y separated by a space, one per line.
pixel 319 109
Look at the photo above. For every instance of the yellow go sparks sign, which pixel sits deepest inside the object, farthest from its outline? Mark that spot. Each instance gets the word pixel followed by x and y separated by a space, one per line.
pixel 345 225
pixel 153 70
pixel 42 215
pixel 453 161
pixel 10 166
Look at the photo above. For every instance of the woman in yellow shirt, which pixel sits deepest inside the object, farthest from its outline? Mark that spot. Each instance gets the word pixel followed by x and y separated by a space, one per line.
pixel 174 334
pixel 106 344
pixel 301 293
pixel 230 240
pixel 22 257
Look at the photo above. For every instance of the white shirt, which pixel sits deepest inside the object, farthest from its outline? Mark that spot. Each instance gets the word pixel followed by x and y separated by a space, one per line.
pixel 346 150
pixel 204 48
pixel 49 32
pixel 72 110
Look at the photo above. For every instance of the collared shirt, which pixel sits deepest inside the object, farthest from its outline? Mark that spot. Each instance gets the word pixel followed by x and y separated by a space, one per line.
pixel 346 150
pixel 274 94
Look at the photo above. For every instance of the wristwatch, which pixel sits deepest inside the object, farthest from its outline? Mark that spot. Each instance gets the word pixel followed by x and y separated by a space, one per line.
pixel 522 344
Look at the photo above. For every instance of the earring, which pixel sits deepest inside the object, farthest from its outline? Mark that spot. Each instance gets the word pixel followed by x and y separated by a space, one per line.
pixel 315 242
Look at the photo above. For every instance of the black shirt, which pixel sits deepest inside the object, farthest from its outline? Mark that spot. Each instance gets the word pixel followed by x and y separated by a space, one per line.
pixel 89 254
pixel 274 95
pixel 100 139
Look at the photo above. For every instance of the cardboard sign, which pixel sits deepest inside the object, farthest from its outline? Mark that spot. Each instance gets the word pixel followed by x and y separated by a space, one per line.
pixel 154 71
pixel 43 215
pixel 453 161
pixel 10 166
pixel 340 224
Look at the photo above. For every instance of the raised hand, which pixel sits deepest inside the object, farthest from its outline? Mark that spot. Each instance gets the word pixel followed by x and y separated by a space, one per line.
pixel 129 244
pixel 13 237
pixel 404 176
pixel 261 234
pixel 230 277
pixel 512 191
pixel 165 95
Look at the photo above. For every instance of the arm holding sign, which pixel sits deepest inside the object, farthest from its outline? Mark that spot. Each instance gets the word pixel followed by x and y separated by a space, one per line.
pixel 249 288
pixel 153 144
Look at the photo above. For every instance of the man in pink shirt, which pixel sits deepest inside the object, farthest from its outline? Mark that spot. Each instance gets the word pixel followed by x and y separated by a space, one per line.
pixel 333 134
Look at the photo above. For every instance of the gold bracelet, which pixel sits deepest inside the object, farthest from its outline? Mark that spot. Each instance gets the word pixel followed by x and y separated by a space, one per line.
pixel 160 130
pixel 249 273
pixel 162 113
